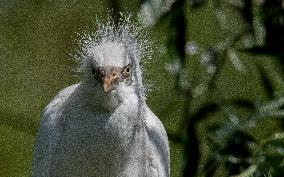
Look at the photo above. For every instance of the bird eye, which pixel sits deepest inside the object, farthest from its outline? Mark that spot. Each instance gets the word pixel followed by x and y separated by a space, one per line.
pixel 126 71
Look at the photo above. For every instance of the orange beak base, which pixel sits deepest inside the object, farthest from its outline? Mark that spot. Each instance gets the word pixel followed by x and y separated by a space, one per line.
pixel 108 82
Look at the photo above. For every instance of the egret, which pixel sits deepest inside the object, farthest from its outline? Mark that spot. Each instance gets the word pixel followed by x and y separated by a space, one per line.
pixel 102 126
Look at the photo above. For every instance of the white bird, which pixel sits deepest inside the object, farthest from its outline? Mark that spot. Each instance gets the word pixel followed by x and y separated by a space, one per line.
pixel 102 127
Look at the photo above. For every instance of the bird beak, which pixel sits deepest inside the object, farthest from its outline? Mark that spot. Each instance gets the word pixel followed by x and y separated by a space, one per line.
pixel 108 81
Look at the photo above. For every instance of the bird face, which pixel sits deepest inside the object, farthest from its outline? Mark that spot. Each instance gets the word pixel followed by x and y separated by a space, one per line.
pixel 111 76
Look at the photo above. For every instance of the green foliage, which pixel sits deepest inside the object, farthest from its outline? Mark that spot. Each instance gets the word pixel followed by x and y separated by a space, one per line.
pixel 248 27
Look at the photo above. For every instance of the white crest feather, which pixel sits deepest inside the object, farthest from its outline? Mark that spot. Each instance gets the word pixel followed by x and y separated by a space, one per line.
pixel 115 45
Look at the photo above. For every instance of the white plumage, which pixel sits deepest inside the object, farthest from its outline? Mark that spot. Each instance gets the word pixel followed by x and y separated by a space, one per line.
pixel 102 126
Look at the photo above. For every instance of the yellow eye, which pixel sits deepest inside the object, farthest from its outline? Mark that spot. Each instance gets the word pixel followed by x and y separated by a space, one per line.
pixel 126 71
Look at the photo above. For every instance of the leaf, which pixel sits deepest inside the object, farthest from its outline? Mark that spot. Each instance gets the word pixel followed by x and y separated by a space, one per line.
pixel 248 172
pixel 274 105
pixel 142 1
pixel 243 103
pixel 152 10
pixel 272 109
pixel 210 167
pixel 202 112
pixel 230 126
pixel 247 11
pixel 276 140
pixel 175 137
pixel 268 87
pixel 278 136
pixel 272 152
pixel 192 153
pixel 196 3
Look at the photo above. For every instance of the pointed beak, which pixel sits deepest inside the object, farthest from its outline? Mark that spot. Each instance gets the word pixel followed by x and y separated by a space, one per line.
pixel 108 82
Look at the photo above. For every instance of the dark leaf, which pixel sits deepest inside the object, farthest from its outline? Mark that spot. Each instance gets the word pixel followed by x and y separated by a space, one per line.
pixel 237 146
pixel 196 3
pixel 175 137
pixel 267 50
pixel 177 30
pixel 142 2
pixel 210 167
pixel 204 111
pixel 175 8
pixel 247 11
pixel 192 153
pixel 269 90
pixel 243 103
pixel 273 13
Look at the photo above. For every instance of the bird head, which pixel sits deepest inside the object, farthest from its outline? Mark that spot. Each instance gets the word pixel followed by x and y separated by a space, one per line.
pixel 111 66
pixel 110 76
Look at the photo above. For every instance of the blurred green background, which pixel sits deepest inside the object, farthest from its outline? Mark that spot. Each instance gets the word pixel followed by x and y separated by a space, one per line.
pixel 37 37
